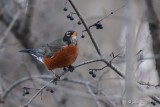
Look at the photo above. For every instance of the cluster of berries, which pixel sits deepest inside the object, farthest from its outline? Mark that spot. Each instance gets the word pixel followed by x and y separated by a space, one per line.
pixel 98 25
pixel 71 17
pixel 92 73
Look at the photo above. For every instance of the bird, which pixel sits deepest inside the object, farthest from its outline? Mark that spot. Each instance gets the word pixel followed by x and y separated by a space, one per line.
pixel 60 53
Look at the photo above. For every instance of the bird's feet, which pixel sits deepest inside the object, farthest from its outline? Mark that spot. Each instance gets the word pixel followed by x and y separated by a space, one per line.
pixel 71 68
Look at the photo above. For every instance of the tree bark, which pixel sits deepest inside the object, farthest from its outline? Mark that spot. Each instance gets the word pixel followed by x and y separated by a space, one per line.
pixel 155 33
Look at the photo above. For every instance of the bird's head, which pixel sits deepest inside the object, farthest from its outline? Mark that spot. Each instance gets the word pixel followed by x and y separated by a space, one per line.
pixel 70 37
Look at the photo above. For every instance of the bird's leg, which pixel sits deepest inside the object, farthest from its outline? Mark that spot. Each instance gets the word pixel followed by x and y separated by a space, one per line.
pixel 65 69
pixel 71 68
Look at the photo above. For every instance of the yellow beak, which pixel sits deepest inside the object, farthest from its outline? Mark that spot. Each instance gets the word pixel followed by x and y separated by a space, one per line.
pixel 74 34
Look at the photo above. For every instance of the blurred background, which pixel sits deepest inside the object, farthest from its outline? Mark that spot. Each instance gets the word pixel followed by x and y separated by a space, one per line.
pixel 32 23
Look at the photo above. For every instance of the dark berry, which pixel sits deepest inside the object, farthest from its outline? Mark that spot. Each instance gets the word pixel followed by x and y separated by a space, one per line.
pixel 65 9
pixel 51 91
pixel 97 27
pixel 90 72
pixel 27 92
pixel 69 16
pixel 79 23
pixel 82 36
pixel 101 27
pixel 153 103
pixel 93 75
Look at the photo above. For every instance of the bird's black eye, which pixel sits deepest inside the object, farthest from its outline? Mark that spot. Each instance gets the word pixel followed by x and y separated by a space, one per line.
pixel 68 33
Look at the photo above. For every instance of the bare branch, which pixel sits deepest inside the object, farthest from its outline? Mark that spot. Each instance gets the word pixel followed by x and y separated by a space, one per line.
pixel 154 26
pixel 41 89
pixel 148 84
pixel 94 96
pixel 38 92
pixel 106 16
pixel 86 27
pixel 93 40
pixel 5 94
pixel 87 62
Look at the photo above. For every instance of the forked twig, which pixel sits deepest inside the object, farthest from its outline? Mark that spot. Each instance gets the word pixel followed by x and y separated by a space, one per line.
pixel 86 27
pixel 98 50
pixel 94 42
pixel 38 92
pixel 94 96
pixel 41 89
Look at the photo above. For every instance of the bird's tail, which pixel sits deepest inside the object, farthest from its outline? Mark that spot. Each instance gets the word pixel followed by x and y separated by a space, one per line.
pixel 30 51
pixel 33 52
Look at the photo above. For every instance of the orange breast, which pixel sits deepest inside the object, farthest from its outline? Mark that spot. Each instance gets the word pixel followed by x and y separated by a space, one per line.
pixel 62 58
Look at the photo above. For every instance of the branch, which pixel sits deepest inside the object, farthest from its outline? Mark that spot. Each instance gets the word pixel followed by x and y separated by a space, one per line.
pixel 148 84
pixel 105 17
pixel 65 80
pixel 20 82
pixel 110 104
pixel 86 27
pixel 93 40
pixel 87 62
pixel 29 78
pixel 20 27
pixel 94 96
pixel 154 27
pixel 98 50
pixel 38 92
pixel 113 68
pixel 41 89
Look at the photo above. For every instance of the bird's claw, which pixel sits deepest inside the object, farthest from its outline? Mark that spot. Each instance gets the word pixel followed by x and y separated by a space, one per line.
pixel 71 68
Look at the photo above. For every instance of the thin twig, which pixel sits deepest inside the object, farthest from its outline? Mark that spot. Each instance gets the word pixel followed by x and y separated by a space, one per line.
pixel 86 27
pixel 98 50
pixel 113 68
pixel 148 84
pixel 66 80
pixel 20 82
pixel 106 16
pixel 94 96
pixel 93 40
pixel 10 26
pixel 38 92
pixel 43 76
pixel 92 86
pixel 75 92
pixel 41 89
pixel 21 28
pixel 99 68
pixel 87 62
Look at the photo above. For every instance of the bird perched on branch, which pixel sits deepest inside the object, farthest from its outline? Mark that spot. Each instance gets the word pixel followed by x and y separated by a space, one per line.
pixel 60 53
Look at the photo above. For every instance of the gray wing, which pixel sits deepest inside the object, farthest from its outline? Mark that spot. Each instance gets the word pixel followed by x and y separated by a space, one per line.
pixel 53 47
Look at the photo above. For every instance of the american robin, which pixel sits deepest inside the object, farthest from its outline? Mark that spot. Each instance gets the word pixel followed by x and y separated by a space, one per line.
pixel 60 53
